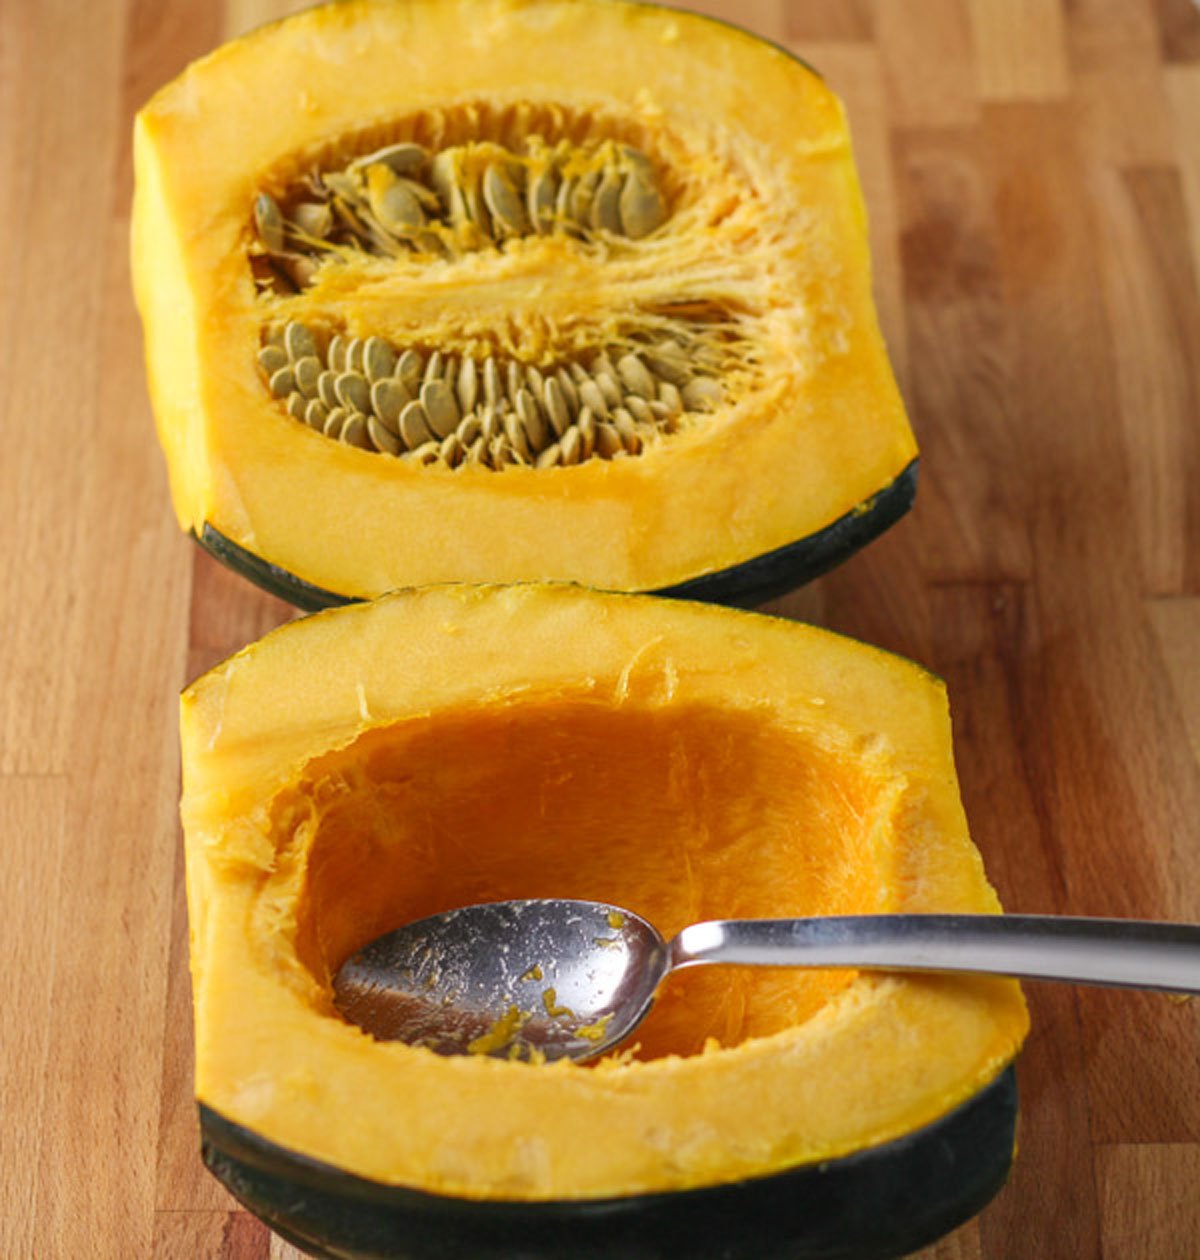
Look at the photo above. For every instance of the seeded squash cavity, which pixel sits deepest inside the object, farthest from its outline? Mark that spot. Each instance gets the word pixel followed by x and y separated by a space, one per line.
pixel 376 763
pixel 497 291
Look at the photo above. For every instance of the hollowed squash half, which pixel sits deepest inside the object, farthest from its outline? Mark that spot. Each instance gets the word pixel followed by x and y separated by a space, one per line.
pixel 482 290
pixel 373 764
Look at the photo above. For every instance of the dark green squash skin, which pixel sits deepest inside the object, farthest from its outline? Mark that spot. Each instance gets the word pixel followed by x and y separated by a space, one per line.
pixel 745 585
pixel 876 1204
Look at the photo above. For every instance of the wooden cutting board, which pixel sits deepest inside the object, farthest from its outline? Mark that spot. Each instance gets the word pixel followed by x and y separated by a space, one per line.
pixel 1032 169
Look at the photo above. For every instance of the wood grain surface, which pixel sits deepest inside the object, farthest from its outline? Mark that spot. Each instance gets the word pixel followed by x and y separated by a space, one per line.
pixel 1032 169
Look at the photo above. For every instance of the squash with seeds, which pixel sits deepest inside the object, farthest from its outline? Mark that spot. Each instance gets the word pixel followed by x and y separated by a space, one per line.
pixel 484 296
pixel 373 764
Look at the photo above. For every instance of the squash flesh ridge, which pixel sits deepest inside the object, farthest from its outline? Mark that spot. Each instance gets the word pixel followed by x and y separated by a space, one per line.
pixel 837 1082
pixel 398 524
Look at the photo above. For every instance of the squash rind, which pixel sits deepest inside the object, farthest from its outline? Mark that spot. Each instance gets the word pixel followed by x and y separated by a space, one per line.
pixel 884 1202
pixel 743 585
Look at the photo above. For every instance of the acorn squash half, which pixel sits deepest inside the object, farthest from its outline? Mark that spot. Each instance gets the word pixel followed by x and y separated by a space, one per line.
pixel 483 290
pixel 372 764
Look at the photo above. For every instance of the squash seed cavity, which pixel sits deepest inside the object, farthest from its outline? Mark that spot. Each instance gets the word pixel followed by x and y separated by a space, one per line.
pixel 404 199
pixel 467 182
pixel 454 411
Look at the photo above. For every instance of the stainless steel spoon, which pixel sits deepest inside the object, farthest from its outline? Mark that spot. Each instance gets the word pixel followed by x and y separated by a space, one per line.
pixel 569 979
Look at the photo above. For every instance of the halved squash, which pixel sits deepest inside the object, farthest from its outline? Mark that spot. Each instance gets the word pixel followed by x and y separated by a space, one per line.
pixel 492 291
pixel 373 764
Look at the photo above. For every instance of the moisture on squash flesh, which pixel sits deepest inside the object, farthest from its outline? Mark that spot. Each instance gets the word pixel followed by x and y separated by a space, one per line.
pixel 374 764
pixel 469 303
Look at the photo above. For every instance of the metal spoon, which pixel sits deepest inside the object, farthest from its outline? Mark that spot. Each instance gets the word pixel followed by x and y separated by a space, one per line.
pixel 569 979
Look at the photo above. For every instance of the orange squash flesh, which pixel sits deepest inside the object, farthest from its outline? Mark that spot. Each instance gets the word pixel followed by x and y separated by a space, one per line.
pixel 376 763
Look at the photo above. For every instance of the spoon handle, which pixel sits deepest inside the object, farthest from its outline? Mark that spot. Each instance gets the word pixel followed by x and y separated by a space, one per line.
pixel 1124 953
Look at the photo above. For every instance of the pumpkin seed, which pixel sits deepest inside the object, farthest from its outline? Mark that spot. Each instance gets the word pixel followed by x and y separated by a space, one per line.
pixel 470 427
pixel 670 397
pixel 451 450
pixel 532 420
pixel 490 424
pixel 307 372
pixel 585 426
pixel 549 457
pixel 477 211
pixel 467 387
pixel 268 222
pixel 433 367
pixel 299 270
pixel 414 426
pixel 624 423
pixel 564 217
pixel 315 414
pixel 336 357
pixel 591 396
pixel 298 341
pixel 491 382
pixel 639 409
pixel 606 205
pixel 313 218
pixel 581 197
pixel 607 385
pixel 540 195
pixel 608 440
pixel 334 421
pixel 354 354
pixel 327 389
pixel 668 361
pixel 641 206
pixel 557 411
pixel 388 398
pixel 271 359
pixel 504 202
pixel 440 407
pixel 399 158
pixel 354 432
pixel 514 431
pixel 282 382
pixel 636 376
pixel 569 391
pixel 379 359
pixel 702 393
pixel 501 452
pixel 513 381
pixel 571 447
pixel 382 438
pixel 392 202
pixel 353 391
pixel 409 368
pixel 296 404
pixel 445 178
pixel 535 382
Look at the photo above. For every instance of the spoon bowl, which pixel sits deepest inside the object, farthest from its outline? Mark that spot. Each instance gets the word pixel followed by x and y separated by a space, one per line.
pixel 516 979
pixel 550 979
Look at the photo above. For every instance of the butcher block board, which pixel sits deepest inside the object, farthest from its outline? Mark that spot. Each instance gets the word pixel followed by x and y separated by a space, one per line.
pixel 1032 169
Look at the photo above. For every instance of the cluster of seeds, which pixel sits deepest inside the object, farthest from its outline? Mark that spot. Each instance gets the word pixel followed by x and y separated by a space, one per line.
pixel 491 413
pixel 403 199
